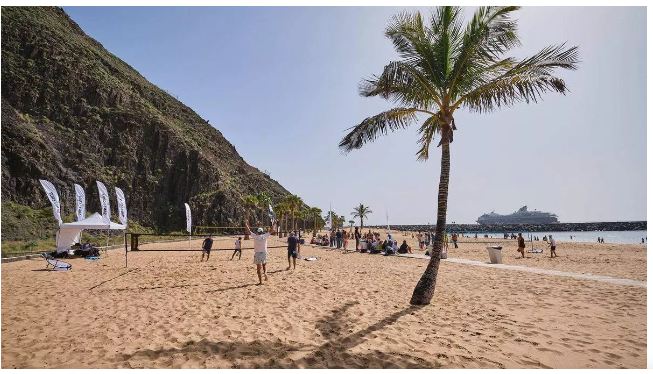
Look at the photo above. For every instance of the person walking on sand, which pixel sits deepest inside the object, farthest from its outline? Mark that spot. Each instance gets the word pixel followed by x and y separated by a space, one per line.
pixel 521 245
pixel 454 239
pixel 338 239
pixel 299 245
pixel 357 236
pixel 260 250
pixel 293 244
pixel 552 244
pixel 206 247
pixel 237 248
pixel 345 240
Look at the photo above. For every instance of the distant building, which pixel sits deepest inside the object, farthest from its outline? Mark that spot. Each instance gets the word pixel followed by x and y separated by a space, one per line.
pixel 522 216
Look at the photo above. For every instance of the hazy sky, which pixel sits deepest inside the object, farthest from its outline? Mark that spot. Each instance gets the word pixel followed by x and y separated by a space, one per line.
pixel 281 84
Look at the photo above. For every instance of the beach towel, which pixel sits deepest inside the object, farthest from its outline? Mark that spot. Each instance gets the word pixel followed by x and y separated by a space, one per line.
pixel 310 258
pixel 536 250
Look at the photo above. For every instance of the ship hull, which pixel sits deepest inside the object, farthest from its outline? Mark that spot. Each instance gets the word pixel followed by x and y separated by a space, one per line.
pixel 517 220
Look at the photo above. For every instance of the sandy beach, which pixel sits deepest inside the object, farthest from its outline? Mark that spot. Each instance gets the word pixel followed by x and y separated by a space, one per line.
pixel 168 310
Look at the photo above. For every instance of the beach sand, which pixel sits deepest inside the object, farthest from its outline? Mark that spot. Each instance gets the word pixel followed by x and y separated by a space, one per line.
pixel 168 310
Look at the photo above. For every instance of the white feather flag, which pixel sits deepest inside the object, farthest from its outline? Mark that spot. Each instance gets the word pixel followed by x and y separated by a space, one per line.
pixel 104 201
pixel 122 206
pixel 53 196
pixel 189 221
pixel 80 202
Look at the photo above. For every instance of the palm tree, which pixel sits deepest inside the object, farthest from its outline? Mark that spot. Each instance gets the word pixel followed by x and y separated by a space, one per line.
pixel 250 202
pixel 264 201
pixel 444 67
pixel 305 214
pixel 294 205
pixel 361 211
pixel 280 210
pixel 317 215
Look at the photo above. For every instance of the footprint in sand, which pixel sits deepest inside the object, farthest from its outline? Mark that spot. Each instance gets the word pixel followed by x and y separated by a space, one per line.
pixel 613 356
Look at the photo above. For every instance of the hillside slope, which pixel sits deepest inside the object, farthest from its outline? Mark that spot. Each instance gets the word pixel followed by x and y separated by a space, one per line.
pixel 74 113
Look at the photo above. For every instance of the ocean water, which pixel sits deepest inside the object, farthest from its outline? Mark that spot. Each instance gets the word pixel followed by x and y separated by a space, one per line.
pixel 617 237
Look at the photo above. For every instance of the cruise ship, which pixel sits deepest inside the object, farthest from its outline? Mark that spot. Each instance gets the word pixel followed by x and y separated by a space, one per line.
pixel 522 216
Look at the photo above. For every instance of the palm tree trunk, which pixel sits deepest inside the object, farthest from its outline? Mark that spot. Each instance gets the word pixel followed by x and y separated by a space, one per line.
pixel 425 288
pixel 361 225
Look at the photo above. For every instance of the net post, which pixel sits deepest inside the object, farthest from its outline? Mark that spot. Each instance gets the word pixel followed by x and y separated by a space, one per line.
pixel 125 249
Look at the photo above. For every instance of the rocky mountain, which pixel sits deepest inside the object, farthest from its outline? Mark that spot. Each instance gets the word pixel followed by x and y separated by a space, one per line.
pixel 72 112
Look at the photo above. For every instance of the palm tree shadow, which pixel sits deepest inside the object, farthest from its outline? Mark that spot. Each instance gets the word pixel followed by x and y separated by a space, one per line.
pixel 256 354
pixel 231 288
pixel 335 353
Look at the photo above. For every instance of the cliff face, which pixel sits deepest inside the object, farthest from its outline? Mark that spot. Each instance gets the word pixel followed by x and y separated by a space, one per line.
pixel 74 113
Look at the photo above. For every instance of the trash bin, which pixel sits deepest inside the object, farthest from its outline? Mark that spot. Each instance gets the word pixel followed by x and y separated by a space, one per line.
pixel 443 253
pixel 495 254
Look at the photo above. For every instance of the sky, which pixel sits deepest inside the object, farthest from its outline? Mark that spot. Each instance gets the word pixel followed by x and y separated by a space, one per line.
pixel 281 84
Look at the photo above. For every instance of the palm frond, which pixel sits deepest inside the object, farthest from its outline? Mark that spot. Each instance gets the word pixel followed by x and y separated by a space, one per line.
pixel 413 42
pixel 404 30
pixel 525 81
pixel 373 127
pixel 429 128
pixel 489 34
pixel 445 36
pixel 404 84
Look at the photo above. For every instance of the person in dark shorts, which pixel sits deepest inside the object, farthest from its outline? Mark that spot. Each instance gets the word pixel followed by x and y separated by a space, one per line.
pixel 293 244
pixel 206 247
pixel 552 244
pixel 521 245
pixel 237 249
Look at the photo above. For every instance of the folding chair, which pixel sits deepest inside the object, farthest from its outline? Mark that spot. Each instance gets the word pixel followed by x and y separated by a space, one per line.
pixel 55 263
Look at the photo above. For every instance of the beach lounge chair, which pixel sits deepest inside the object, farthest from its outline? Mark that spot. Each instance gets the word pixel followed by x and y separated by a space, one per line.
pixel 55 263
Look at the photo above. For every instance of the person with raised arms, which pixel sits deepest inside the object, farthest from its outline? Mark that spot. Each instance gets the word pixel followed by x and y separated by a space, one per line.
pixel 260 250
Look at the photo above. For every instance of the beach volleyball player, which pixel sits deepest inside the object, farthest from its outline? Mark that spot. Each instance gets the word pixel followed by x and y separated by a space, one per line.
pixel 260 249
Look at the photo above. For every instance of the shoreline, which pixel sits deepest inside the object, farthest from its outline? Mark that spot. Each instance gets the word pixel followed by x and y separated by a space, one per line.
pixel 500 228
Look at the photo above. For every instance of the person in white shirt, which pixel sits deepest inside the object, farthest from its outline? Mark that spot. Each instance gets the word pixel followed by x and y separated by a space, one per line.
pixel 260 250
pixel 552 244
pixel 237 249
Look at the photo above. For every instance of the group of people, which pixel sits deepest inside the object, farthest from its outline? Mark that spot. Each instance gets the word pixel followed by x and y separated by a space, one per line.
pixel 336 238
pixel 521 245
pixel 369 242
pixel 260 239
pixel 373 244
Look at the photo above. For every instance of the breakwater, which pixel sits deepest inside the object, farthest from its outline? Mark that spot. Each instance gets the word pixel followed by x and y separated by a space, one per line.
pixel 513 228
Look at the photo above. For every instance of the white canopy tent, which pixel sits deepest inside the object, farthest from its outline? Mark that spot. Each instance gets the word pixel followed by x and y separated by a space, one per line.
pixel 69 233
